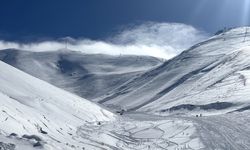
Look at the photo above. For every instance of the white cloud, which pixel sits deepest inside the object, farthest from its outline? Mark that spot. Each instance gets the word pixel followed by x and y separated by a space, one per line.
pixel 164 40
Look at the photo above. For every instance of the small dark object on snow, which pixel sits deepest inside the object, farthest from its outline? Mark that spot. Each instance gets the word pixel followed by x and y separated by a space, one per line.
pixel 120 112
pixel 70 133
pixel 42 131
pixel 37 144
pixel 99 123
pixel 13 134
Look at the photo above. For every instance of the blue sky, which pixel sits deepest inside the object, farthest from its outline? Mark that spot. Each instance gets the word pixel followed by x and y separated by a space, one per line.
pixel 159 28
pixel 97 19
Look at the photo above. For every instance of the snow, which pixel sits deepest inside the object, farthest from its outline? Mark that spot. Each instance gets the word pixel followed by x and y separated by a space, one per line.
pixel 87 75
pixel 138 134
pixel 230 131
pixel 213 71
pixel 211 79
pixel 19 144
pixel 29 105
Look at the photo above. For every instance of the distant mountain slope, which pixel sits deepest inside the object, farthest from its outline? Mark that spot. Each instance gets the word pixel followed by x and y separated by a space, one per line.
pixel 30 106
pixel 211 75
pixel 87 75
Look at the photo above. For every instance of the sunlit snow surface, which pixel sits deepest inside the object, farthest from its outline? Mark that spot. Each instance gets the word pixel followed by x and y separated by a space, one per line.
pixel 142 132
pixel 70 122
pixel 216 70
pixel 29 105
pixel 213 75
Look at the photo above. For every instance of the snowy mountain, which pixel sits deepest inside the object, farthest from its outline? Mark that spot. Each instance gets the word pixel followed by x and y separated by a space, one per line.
pixel 210 76
pixel 36 113
pixel 207 84
pixel 87 75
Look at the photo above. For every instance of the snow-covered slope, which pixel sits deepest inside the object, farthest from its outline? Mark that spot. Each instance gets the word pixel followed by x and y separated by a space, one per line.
pixel 87 75
pixel 30 106
pixel 37 115
pixel 212 75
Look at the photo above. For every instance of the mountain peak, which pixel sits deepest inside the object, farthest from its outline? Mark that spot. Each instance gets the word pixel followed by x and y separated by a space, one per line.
pixel 223 44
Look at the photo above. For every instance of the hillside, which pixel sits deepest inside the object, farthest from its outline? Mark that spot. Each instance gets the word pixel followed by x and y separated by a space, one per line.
pixel 210 76
pixel 35 112
pixel 204 93
pixel 87 75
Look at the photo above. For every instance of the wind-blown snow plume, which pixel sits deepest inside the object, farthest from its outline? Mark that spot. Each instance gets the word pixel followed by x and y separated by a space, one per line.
pixel 164 40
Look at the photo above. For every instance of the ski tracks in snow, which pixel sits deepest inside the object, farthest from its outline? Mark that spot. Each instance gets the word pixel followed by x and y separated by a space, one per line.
pixel 224 132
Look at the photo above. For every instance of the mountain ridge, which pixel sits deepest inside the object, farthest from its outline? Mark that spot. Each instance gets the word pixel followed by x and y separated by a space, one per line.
pixel 87 75
pixel 163 86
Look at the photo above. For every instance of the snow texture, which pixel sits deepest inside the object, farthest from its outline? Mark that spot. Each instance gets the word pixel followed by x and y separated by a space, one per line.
pixel 214 71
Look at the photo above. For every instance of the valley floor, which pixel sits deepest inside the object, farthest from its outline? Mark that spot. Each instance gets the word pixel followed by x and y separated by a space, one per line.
pixel 140 132
pixel 225 132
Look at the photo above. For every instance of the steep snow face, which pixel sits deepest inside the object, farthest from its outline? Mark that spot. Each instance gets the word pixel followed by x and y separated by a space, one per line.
pixel 30 106
pixel 87 75
pixel 212 75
